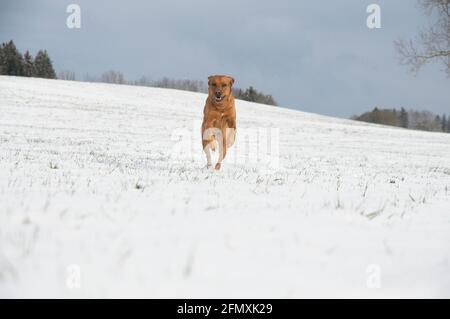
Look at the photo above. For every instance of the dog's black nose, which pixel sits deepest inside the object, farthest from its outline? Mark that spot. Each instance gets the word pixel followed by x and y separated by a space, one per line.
pixel 218 94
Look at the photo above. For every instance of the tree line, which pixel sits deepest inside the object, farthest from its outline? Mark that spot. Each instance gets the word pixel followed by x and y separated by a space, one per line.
pixel 411 119
pixel 253 95
pixel 12 62
pixel 250 94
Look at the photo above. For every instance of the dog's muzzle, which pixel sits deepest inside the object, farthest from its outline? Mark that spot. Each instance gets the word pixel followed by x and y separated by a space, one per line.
pixel 218 97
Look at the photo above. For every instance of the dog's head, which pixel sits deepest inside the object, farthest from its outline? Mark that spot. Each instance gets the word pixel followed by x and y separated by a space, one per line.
pixel 220 87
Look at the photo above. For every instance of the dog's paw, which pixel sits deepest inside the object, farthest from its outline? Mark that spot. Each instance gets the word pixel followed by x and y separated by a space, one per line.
pixel 217 167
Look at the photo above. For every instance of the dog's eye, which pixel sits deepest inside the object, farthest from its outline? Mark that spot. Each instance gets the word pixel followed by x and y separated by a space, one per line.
pixel 224 85
pixel 213 85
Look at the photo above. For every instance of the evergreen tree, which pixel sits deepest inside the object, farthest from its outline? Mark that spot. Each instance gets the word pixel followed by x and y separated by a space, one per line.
pixel 448 125
pixel 2 72
pixel 11 60
pixel 251 94
pixel 404 119
pixel 437 125
pixel 28 65
pixel 444 123
pixel 43 67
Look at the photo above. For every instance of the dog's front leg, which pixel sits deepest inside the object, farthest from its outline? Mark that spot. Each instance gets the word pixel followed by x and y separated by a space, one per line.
pixel 222 139
pixel 207 151
pixel 207 139
pixel 231 132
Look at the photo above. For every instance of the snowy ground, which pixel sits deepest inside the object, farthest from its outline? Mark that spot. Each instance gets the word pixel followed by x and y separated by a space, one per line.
pixel 101 197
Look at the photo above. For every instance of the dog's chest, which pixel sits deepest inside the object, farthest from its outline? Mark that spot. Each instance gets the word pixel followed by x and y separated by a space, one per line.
pixel 221 119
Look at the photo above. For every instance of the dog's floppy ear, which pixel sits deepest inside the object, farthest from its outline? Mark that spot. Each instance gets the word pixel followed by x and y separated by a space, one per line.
pixel 231 80
pixel 209 79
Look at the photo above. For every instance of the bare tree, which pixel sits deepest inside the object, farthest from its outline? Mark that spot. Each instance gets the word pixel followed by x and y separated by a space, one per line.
pixel 113 77
pixel 90 78
pixel 66 75
pixel 424 120
pixel 432 44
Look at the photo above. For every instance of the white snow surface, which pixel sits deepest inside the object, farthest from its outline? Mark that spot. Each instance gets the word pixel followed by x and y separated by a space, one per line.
pixel 98 199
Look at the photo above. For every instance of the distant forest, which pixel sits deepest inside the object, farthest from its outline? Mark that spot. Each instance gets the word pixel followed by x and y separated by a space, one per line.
pixel 250 94
pixel 416 120
pixel 12 62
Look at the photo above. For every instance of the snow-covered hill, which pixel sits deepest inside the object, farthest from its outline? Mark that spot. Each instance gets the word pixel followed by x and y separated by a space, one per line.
pixel 104 193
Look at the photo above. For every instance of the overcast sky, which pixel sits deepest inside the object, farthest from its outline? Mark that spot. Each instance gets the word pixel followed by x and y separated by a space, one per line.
pixel 316 56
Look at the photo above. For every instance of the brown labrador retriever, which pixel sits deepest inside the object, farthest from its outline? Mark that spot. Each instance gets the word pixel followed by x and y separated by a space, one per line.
pixel 219 117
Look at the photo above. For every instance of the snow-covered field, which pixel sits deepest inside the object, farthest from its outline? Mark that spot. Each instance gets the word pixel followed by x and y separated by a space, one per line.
pixel 104 193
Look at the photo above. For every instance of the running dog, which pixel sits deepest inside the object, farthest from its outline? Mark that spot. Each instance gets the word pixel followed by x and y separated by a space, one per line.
pixel 219 118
